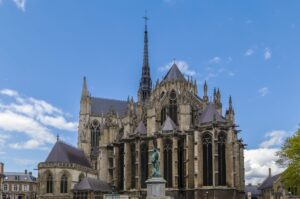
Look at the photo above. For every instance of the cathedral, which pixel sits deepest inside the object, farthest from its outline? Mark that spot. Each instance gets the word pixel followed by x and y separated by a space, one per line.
pixel 200 153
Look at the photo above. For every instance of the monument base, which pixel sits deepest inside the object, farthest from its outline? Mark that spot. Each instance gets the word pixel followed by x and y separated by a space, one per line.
pixel 156 188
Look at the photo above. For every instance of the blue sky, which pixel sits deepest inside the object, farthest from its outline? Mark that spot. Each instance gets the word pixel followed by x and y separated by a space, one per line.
pixel 249 49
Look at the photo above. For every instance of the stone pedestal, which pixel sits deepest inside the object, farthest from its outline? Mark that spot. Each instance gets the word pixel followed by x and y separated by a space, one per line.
pixel 156 188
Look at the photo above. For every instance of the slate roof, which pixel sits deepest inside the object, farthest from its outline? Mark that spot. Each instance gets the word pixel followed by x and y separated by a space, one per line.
pixel 12 176
pixel 141 129
pixel 62 152
pixel 210 114
pixel 268 182
pixel 90 184
pixel 168 125
pixel 102 106
pixel 174 74
pixel 253 190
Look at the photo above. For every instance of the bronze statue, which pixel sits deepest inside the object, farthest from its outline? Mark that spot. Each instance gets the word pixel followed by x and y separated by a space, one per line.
pixel 155 163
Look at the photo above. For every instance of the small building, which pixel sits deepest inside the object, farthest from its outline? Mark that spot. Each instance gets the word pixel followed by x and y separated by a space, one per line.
pixel 19 185
pixel 91 188
pixel 67 169
pixel 273 188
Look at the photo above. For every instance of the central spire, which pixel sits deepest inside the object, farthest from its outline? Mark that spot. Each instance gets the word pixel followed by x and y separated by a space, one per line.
pixel 145 81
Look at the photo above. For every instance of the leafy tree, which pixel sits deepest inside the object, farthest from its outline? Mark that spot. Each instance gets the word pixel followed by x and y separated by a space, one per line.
pixel 289 156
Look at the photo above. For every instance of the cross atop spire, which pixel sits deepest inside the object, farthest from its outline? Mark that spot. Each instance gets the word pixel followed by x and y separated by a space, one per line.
pixel 146 19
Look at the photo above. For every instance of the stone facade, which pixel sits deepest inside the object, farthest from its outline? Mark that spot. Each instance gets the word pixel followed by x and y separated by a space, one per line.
pixel 201 154
pixel 74 173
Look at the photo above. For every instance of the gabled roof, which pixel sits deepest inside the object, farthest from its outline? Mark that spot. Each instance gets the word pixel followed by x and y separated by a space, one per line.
pixel 141 129
pixel 210 114
pixel 168 125
pixel 90 184
pixel 64 153
pixel 268 182
pixel 19 176
pixel 174 74
pixel 102 106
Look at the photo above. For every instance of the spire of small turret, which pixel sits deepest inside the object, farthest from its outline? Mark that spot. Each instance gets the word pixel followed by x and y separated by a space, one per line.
pixel 205 97
pixel 84 92
pixel 145 81
pixel 230 111
pixel 230 103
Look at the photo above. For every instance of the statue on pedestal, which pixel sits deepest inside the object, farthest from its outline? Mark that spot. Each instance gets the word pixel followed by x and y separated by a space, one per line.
pixel 155 163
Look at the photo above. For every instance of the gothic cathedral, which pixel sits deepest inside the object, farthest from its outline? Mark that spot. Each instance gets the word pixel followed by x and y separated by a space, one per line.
pixel 201 155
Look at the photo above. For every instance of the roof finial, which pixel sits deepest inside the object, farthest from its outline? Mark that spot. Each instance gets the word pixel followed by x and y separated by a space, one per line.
pixel 174 60
pixel 146 19
pixel 57 137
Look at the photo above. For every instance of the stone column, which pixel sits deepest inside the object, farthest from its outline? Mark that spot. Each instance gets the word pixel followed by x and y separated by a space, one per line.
pixel 150 149
pixel 190 161
pixel 160 146
pixel 116 166
pixel 229 159
pixel 138 164
pixel 196 162
pixel 200 160
pixel 127 163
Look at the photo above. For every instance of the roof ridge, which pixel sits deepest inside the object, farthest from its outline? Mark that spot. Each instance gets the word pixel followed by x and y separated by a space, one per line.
pixel 119 100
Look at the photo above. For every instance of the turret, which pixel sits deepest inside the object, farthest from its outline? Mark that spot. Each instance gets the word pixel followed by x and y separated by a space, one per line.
pixel 217 100
pixel 205 97
pixel 85 98
pixel 230 111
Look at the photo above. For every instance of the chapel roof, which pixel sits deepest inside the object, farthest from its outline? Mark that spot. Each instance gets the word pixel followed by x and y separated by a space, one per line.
pixel 64 153
pixel 268 182
pixel 91 184
pixel 174 74
pixel 210 114
pixel 168 125
pixel 102 105
pixel 140 129
pixel 253 189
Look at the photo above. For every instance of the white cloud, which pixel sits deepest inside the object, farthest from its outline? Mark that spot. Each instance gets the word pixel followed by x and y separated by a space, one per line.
pixel 257 163
pixel 3 140
pixel 263 91
pixel 182 65
pixel 9 92
pixel 249 52
pixel 33 118
pixel 25 162
pixel 267 54
pixel 215 60
pixel 275 138
pixel 20 4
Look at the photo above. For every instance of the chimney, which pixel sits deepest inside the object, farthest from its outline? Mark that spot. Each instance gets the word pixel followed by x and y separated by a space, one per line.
pixel 270 172
pixel 1 168
pixel 30 173
pixel 25 171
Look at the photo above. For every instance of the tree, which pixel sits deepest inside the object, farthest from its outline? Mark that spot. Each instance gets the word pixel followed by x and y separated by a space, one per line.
pixel 289 156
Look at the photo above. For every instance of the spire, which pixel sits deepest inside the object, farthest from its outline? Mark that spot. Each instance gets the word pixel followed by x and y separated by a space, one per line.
pixel 145 81
pixel 230 103
pixel 84 88
pixel 205 97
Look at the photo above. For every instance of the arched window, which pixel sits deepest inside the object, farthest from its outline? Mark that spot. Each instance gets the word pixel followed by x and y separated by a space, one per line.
pixel 95 134
pixel 222 159
pixel 207 159
pixel 181 169
pixel 133 169
pixel 163 115
pixel 81 177
pixel 173 106
pixel 144 164
pixel 49 187
pixel 64 184
pixel 168 162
